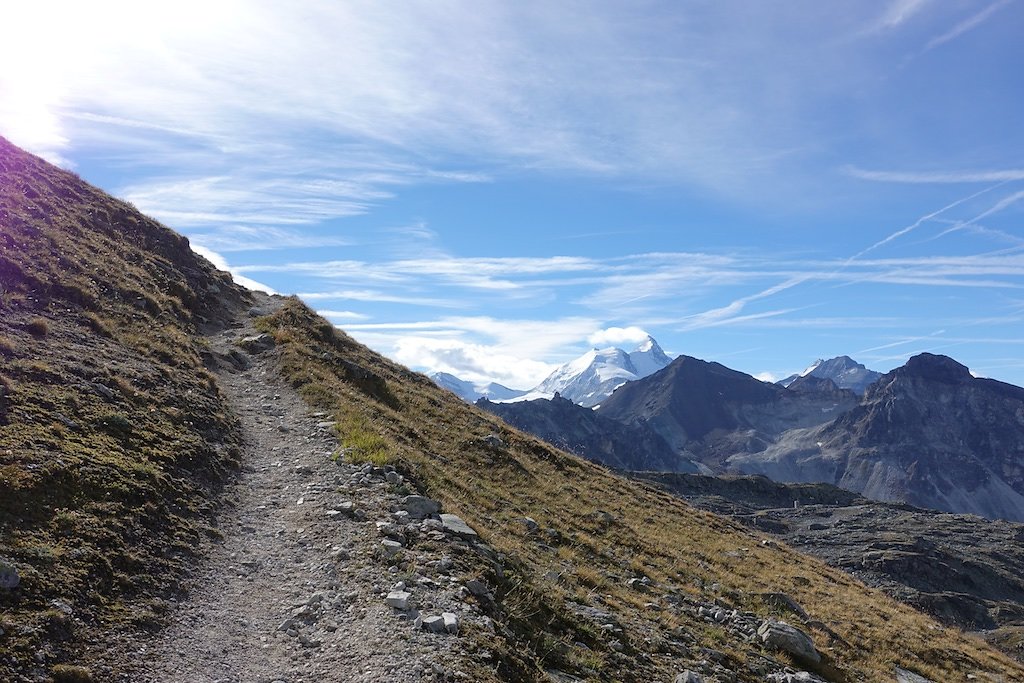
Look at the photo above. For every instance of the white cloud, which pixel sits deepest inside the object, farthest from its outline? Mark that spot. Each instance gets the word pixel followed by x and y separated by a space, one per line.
pixel 220 263
pixel 468 361
pixel 342 315
pixel 766 377
pixel 618 336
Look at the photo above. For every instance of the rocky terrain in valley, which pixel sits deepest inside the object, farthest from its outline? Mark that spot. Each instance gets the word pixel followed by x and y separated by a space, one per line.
pixel 965 570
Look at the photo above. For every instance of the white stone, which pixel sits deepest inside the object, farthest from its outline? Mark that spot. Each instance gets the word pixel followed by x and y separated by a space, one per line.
pixel 398 599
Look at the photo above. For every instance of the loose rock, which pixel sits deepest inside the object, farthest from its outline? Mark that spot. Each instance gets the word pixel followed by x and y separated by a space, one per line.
pixel 782 636
pixel 398 599
pixel 689 677
pixel 419 507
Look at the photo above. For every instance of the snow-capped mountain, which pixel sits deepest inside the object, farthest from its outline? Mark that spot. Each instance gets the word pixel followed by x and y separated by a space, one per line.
pixel 844 372
pixel 593 377
pixel 468 391
pixel 648 358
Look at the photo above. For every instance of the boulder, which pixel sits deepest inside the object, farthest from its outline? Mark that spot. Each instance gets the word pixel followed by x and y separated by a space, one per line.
pixel 434 624
pixel 904 676
pixel 258 343
pixel 419 507
pixel 454 525
pixel 781 636
pixel 9 578
pixel 783 601
pixel 391 548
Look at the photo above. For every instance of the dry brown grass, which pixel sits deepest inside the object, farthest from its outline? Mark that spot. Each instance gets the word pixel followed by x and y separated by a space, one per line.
pixel 439 441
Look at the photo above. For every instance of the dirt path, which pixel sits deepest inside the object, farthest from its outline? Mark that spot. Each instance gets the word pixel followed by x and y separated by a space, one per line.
pixel 295 593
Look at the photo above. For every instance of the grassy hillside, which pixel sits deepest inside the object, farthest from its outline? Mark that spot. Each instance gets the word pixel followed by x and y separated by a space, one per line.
pixel 113 436
pixel 597 531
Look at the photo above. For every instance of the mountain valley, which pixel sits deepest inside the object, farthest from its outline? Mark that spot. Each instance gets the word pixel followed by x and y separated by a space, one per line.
pixel 198 482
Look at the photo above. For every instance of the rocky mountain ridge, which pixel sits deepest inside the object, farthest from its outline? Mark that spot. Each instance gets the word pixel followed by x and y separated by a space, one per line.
pixel 586 433
pixel 844 372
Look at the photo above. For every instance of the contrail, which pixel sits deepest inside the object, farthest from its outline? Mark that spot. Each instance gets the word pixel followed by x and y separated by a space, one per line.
pixel 919 221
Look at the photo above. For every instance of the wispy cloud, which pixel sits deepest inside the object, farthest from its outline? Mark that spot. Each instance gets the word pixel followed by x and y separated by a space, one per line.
pixel 897 13
pixel 721 315
pixel 929 177
pixel 966 25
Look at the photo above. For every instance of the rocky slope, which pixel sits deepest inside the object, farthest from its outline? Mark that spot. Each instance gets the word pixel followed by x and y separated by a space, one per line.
pixel 582 431
pixel 965 570
pixel 120 448
pixel 927 433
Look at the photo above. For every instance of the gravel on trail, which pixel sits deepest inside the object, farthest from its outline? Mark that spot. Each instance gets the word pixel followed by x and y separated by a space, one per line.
pixel 296 588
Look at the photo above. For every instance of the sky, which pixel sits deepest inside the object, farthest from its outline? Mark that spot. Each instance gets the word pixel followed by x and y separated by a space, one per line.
pixel 492 188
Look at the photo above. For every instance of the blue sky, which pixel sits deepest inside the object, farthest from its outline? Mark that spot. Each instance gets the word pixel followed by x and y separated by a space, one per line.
pixel 490 188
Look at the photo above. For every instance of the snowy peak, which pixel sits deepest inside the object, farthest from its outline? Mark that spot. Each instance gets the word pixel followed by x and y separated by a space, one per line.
pixel 845 373
pixel 648 357
pixel 470 392
pixel 593 377
pixel 603 364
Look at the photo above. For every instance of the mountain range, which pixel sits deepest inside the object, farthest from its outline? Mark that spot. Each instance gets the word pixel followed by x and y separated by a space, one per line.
pixel 927 433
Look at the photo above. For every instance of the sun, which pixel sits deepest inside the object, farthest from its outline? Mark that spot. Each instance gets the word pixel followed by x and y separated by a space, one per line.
pixel 57 53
